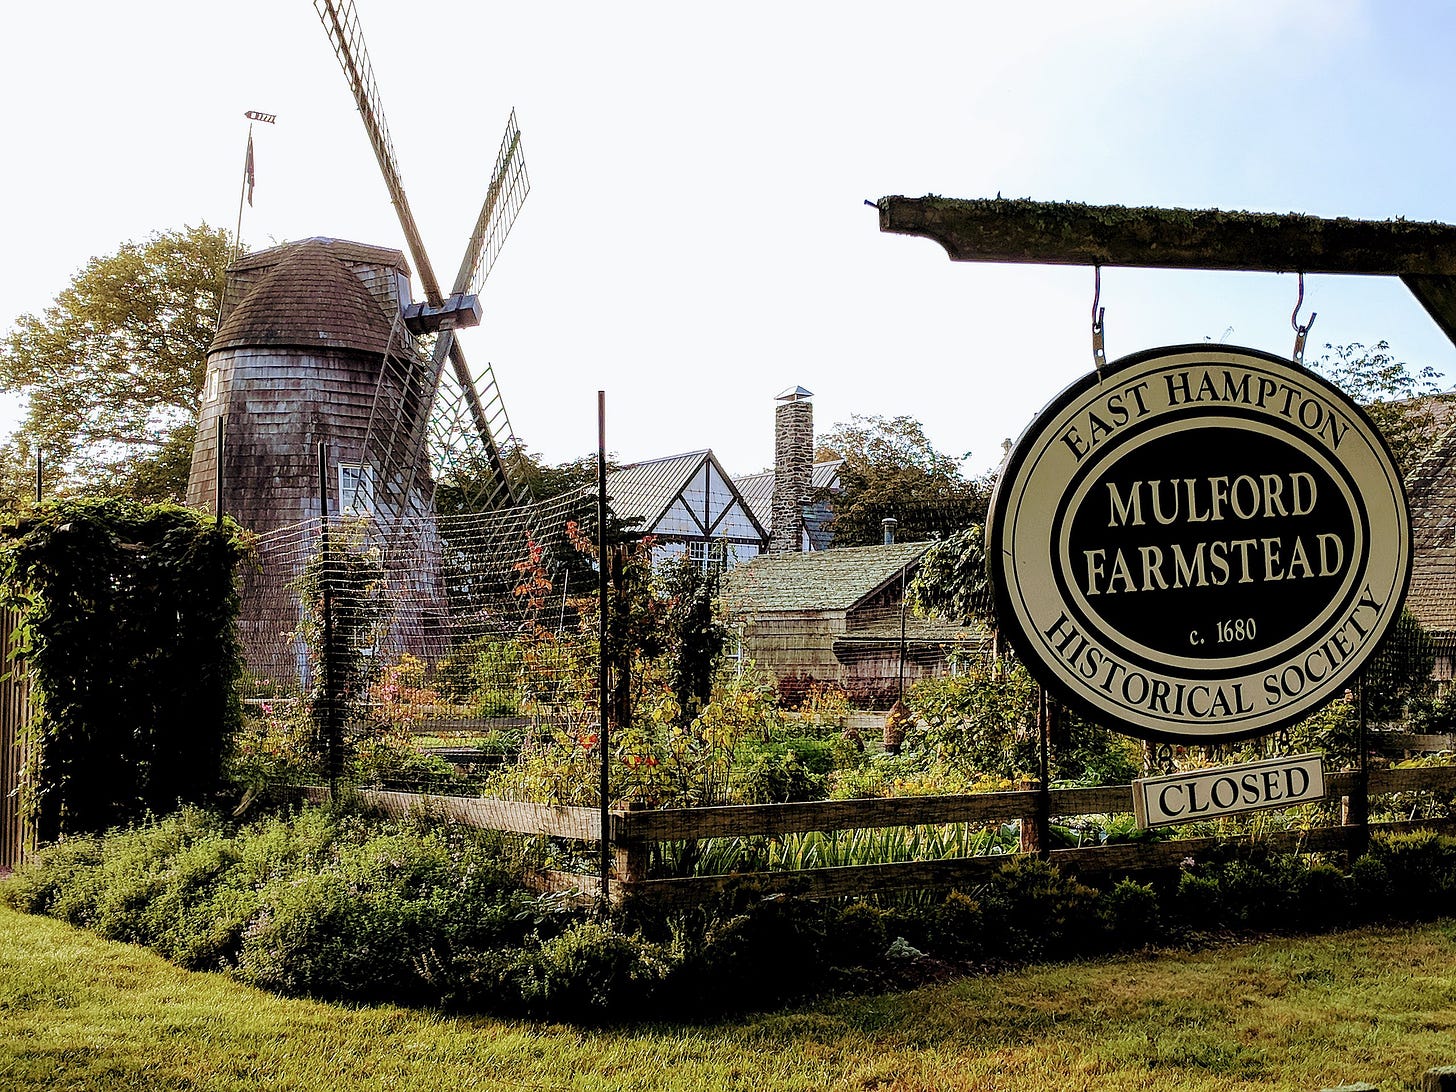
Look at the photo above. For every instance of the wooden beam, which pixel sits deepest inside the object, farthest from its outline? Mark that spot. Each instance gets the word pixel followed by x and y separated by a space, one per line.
pixel 1437 294
pixel 1021 231
pixel 1065 233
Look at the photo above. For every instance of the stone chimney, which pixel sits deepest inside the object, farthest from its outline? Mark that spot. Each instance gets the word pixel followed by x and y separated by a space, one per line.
pixel 793 469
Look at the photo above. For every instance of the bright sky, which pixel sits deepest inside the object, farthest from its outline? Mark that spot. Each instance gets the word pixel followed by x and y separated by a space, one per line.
pixel 695 240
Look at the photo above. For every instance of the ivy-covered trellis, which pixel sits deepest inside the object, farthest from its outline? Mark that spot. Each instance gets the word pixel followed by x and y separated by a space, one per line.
pixel 127 632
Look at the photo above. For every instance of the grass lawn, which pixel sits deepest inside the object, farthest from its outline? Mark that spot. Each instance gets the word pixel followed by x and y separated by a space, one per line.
pixel 1376 1005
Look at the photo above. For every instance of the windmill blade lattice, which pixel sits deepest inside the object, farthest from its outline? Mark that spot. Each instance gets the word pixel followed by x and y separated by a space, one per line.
pixel 429 423
pixel 341 23
pixel 509 184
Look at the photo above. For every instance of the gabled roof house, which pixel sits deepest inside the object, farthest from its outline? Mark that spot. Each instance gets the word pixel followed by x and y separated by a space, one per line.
pixel 690 505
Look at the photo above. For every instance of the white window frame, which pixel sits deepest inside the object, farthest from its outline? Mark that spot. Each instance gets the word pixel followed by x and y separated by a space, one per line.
pixel 356 488
pixel 711 555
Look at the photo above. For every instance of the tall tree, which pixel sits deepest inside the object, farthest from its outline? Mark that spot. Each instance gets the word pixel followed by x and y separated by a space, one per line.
pixel 891 469
pixel 1399 400
pixel 112 370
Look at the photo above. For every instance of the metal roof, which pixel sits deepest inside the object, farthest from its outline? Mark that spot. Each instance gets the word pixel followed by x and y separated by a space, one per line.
pixel 757 489
pixel 646 490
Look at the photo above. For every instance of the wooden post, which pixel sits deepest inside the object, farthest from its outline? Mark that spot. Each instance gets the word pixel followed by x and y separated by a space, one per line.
pixel 1355 808
pixel 16 834
pixel 332 743
pixel 1036 827
pixel 630 856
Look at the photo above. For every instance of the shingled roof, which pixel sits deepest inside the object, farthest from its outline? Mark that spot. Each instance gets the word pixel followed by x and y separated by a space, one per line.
pixel 1431 491
pixel 308 296
pixel 345 250
pixel 820 580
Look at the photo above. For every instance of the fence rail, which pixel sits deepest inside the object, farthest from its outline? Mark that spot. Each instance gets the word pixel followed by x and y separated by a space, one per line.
pixel 633 833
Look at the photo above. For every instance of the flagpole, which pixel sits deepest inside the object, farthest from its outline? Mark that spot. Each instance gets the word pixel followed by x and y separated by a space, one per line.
pixel 243 192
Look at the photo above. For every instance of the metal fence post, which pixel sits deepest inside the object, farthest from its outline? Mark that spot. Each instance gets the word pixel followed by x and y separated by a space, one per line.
pixel 603 734
pixel 332 743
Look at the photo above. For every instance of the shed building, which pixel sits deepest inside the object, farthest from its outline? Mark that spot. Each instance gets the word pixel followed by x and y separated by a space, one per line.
pixel 839 616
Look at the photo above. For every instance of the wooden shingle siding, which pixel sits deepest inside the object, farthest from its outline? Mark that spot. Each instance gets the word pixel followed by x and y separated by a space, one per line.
pixel 297 362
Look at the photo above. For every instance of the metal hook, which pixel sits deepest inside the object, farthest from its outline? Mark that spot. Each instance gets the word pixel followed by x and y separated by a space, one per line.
pixel 1300 332
pixel 1099 354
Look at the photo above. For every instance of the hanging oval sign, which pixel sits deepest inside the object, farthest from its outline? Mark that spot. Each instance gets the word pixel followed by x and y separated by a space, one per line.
pixel 1199 543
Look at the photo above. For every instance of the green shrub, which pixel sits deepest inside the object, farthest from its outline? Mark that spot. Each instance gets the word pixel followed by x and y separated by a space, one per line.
pixel 1369 888
pixel 1259 891
pixel 60 881
pixel 1324 897
pixel 385 915
pixel 485 675
pixel 745 951
pixel 1035 911
pixel 590 973
pixel 856 936
pixel 976 723
pixel 1132 914
pixel 127 623
pixel 1421 870
pixel 312 935
pixel 1198 901
pixel 778 778
pixel 956 927
pixel 389 762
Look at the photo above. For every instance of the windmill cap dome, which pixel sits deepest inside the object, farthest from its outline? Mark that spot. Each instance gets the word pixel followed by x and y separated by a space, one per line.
pixel 308 296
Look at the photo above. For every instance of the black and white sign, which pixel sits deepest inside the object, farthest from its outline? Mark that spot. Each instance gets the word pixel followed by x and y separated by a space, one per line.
pixel 1199 543
pixel 1228 790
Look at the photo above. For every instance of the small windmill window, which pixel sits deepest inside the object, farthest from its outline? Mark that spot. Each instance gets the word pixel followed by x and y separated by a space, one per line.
pixel 213 386
pixel 356 488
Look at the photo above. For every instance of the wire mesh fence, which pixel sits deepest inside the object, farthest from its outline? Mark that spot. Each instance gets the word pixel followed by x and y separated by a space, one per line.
pixel 459 656
pixel 428 655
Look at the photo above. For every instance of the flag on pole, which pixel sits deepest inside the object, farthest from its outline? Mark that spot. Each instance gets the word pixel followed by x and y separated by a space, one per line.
pixel 248 167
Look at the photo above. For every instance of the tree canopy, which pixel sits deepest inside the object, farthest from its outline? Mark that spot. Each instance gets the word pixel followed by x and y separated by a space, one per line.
pixel 953 581
pixel 113 368
pixel 891 469
pixel 1396 398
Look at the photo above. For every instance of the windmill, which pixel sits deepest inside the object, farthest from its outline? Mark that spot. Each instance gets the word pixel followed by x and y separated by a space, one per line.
pixel 321 355
pixel 432 415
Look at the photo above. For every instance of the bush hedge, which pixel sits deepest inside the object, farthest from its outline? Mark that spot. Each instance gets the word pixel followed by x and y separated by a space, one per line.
pixel 127 626
pixel 332 905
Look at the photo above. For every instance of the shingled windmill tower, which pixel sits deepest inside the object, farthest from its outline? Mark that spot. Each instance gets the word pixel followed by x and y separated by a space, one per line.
pixel 320 342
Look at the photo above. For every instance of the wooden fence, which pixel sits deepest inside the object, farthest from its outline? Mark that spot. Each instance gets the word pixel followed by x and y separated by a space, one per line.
pixel 633 833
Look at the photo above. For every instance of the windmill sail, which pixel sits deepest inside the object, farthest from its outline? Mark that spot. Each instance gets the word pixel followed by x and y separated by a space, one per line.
pixel 427 420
